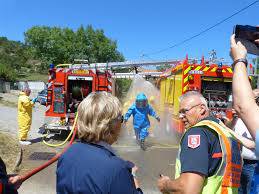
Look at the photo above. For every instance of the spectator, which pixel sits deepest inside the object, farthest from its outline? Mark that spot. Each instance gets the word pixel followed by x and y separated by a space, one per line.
pixel 91 166
pixel 8 184
pixel 202 166
pixel 25 114
pixel 249 159
pixel 244 102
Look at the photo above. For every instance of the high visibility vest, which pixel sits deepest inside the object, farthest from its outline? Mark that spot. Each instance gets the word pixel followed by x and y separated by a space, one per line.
pixel 227 178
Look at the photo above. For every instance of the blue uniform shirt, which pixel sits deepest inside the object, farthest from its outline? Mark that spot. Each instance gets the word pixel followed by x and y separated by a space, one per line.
pixel 200 159
pixel 95 169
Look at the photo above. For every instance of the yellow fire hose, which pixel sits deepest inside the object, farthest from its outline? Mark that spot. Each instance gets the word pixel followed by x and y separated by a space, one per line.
pixel 62 143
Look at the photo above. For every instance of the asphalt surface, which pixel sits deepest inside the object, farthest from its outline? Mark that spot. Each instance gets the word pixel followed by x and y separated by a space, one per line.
pixel 159 158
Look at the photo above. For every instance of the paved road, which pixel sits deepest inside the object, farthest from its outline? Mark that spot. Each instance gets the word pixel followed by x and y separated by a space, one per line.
pixel 158 159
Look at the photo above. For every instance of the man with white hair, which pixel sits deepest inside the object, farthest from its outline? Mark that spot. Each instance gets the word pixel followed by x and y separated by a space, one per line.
pixel 25 114
pixel 209 159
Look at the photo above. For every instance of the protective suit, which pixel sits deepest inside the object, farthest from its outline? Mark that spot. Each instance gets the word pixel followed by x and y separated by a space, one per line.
pixel 24 115
pixel 140 111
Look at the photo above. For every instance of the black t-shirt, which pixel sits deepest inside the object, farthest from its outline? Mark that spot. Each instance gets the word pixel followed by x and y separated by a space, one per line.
pixel 198 146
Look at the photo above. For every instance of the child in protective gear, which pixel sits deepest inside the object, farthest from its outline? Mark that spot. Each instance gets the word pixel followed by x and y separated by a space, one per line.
pixel 140 111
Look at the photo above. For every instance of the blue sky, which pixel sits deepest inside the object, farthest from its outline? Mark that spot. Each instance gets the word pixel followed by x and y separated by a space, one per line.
pixel 139 26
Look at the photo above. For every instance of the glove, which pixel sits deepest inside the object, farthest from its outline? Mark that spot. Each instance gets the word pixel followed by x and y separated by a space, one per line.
pixel 158 119
pixel 34 100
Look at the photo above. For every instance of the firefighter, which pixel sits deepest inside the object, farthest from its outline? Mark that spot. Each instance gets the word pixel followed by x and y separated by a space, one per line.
pixel 140 111
pixel 25 114
pixel 209 158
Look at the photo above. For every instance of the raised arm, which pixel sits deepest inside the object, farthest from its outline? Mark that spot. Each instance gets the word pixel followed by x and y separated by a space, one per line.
pixel 244 102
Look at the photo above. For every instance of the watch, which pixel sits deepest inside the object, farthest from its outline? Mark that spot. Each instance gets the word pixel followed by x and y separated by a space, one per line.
pixel 243 60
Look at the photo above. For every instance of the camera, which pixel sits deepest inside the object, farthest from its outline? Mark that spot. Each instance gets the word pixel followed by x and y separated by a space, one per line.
pixel 247 35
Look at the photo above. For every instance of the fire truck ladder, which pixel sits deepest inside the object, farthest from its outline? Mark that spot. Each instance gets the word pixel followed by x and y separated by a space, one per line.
pixel 125 64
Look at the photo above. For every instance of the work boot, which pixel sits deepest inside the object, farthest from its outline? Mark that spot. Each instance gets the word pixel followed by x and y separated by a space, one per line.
pixel 142 144
pixel 25 142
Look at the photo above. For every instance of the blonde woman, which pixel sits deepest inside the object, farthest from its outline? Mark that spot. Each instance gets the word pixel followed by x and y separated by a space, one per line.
pixel 91 166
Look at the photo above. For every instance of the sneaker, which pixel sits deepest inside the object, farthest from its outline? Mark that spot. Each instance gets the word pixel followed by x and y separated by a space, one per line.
pixel 25 142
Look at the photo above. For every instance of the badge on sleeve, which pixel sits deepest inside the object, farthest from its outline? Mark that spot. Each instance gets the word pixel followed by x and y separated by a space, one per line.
pixel 194 141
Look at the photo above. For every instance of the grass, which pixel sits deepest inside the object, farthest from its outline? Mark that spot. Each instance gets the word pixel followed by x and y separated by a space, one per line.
pixel 9 150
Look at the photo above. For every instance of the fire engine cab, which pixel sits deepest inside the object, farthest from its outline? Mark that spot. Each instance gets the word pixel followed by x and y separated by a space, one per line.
pixel 68 85
pixel 212 80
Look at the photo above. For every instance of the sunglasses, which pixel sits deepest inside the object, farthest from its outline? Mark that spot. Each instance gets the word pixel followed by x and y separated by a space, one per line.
pixel 121 118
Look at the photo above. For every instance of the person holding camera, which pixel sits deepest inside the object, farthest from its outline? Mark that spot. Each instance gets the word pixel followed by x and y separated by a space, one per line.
pixel 243 97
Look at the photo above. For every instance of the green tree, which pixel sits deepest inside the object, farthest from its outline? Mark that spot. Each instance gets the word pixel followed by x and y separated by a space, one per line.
pixel 13 54
pixel 122 87
pixel 163 67
pixel 6 73
pixel 57 45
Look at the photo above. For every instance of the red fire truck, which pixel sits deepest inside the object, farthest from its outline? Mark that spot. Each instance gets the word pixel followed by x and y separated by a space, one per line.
pixel 213 80
pixel 67 86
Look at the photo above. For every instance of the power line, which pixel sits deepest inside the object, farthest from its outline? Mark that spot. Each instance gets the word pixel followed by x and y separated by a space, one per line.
pixel 200 33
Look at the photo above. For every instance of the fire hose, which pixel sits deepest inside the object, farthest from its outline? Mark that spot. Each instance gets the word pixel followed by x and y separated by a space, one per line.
pixel 55 158
pixel 62 143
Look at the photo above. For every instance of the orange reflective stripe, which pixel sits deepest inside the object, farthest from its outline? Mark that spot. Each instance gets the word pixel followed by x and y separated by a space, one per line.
pixel 224 190
pixel 217 155
pixel 232 173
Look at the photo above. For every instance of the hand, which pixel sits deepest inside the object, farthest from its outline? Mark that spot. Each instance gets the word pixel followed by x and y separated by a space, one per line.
pixel 134 169
pixel 238 50
pixel 34 100
pixel 16 181
pixel 158 119
pixel 161 183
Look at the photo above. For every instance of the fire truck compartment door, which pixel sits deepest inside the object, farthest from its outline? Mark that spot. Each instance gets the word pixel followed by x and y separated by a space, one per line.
pixel 79 78
pixel 59 105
